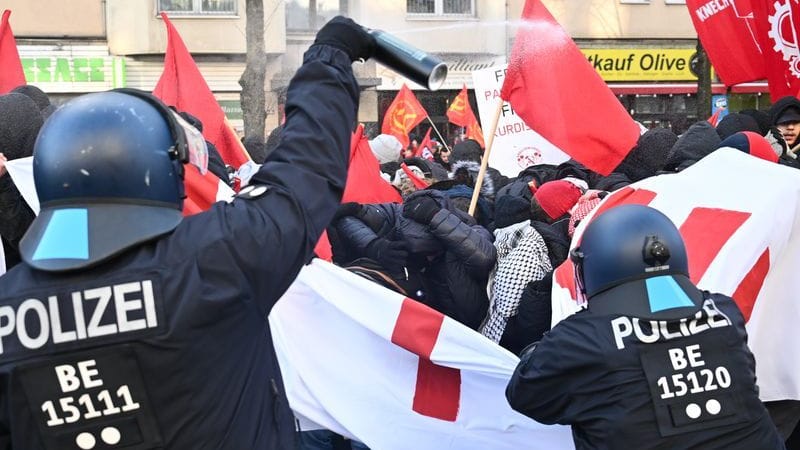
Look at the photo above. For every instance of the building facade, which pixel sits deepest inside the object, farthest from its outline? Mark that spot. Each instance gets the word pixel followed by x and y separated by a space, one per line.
pixel 644 49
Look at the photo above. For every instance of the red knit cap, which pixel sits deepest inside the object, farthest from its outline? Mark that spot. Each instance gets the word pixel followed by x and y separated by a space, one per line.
pixel 557 197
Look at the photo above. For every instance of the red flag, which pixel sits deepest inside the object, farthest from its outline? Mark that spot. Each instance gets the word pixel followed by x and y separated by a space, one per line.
pixel 364 184
pixel 11 74
pixel 183 86
pixel 403 115
pixel 425 144
pixel 418 183
pixel 202 191
pixel 728 33
pixel 778 24
pixel 364 181
pixel 714 119
pixel 461 114
pixel 555 90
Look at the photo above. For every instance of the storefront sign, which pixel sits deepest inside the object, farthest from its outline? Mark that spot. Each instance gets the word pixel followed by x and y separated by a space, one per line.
pixel 232 109
pixel 72 69
pixel 635 64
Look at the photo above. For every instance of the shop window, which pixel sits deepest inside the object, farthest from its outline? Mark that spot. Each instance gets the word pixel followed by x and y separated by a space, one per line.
pixel 647 104
pixel 311 15
pixel 441 7
pixel 198 7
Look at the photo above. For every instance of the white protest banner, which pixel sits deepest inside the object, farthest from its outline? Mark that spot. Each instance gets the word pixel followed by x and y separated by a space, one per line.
pixel 516 146
pixel 21 172
pixel 392 373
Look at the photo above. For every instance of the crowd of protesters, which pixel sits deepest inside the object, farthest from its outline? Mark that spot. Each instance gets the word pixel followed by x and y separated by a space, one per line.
pixel 492 270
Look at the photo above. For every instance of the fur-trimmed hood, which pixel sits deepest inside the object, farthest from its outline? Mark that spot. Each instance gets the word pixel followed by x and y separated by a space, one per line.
pixel 473 168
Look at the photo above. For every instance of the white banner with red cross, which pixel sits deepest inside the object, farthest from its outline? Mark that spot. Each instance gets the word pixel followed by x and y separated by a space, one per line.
pixel 375 366
pixel 740 220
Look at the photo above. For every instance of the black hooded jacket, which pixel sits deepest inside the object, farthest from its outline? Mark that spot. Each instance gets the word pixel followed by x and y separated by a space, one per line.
pixel 20 121
pixel 462 253
pixel 697 142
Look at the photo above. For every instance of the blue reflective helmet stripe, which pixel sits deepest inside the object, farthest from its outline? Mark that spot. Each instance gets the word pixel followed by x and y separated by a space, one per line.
pixel 664 293
pixel 66 236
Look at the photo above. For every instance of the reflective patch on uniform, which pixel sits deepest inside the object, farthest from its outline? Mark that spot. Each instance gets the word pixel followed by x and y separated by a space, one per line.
pixel 664 293
pixel 253 191
pixel 66 236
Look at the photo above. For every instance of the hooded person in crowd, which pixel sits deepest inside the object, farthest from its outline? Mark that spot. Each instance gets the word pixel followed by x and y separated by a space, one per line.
pixel 697 142
pixel 38 96
pixel 20 121
pixel 785 114
pixel 531 241
pixel 644 160
pixel 736 122
pixel 465 163
pixel 762 118
pixel 163 319
pixel 436 253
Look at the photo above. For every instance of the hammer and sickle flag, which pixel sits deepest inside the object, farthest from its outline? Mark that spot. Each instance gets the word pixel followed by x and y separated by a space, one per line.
pixel 403 115
pixel 460 113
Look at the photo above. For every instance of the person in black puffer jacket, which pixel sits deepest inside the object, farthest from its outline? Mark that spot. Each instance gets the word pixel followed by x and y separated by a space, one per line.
pixel 439 255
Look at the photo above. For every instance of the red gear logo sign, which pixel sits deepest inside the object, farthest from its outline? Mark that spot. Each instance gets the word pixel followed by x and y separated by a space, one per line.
pixel 783 35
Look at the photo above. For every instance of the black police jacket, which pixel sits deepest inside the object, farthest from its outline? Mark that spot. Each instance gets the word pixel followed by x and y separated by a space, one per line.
pixel 626 383
pixel 168 345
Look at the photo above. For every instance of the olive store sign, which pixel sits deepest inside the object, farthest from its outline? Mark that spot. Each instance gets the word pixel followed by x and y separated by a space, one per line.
pixel 634 64
pixel 72 69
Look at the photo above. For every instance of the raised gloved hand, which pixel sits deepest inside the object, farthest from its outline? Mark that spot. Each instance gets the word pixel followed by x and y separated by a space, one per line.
pixel 390 254
pixel 421 209
pixel 344 34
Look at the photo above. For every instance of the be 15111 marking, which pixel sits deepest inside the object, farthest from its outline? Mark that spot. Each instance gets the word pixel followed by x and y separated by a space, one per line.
pixel 87 406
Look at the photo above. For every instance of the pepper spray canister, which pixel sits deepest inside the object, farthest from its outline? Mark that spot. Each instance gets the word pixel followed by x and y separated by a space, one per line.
pixel 413 63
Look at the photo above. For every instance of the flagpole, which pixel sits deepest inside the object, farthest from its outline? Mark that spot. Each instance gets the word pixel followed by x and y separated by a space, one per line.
pixel 485 160
pixel 437 133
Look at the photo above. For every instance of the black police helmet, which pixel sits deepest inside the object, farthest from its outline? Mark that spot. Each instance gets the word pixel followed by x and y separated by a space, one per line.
pixel 637 247
pixel 108 174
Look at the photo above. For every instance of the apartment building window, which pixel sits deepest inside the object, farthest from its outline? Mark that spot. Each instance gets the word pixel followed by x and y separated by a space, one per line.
pixel 311 15
pixel 441 7
pixel 198 7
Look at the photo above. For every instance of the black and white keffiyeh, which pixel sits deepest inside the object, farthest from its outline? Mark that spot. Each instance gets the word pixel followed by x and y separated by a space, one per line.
pixel 521 258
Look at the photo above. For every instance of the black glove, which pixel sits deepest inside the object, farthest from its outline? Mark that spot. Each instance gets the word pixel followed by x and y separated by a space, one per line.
pixel 344 34
pixel 390 254
pixel 421 209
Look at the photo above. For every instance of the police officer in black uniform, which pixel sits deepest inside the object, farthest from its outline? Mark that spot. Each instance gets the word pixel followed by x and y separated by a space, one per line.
pixel 653 362
pixel 130 327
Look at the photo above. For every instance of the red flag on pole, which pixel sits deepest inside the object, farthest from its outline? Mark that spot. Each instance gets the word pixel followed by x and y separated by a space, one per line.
pixel 461 114
pixel 778 25
pixel 426 144
pixel 555 90
pixel 403 115
pixel 728 33
pixel 11 74
pixel 183 86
